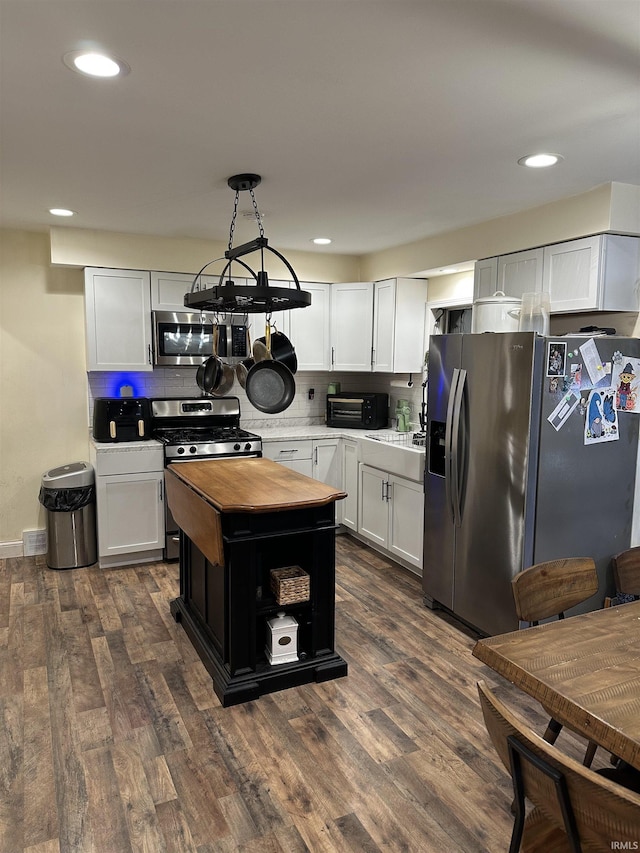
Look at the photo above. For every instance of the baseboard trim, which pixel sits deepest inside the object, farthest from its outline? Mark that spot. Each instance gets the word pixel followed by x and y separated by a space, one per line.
pixel 11 549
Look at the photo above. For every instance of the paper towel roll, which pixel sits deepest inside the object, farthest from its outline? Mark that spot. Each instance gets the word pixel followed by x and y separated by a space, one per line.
pixel 400 383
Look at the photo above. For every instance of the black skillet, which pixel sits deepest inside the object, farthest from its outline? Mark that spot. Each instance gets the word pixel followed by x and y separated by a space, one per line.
pixel 281 350
pixel 270 385
pixel 213 367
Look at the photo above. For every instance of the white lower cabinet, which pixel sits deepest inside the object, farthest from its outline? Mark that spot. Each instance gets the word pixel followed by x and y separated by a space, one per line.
pixel 390 513
pixel 326 462
pixel 316 458
pixel 129 503
pixel 294 454
pixel 348 508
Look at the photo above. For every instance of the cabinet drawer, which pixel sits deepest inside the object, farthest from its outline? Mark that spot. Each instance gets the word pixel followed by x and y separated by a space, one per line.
pixel 128 458
pixel 287 451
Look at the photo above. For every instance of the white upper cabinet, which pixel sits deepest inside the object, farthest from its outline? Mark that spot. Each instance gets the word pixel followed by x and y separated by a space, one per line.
pixel 351 326
pixel 168 289
pixel 398 325
pixel 309 328
pixel 597 273
pixel 485 278
pixel 520 273
pixel 118 319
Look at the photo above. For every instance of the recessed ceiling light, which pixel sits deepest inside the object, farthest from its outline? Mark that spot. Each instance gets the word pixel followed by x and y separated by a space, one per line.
pixel 321 241
pixel 95 64
pixel 539 161
pixel 61 211
pixel 447 270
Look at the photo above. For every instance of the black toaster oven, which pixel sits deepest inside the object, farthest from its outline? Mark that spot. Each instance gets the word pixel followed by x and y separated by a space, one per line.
pixel 121 419
pixel 358 410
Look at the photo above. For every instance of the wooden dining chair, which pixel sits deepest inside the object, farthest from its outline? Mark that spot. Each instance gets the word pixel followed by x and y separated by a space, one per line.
pixel 574 808
pixel 626 571
pixel 547 590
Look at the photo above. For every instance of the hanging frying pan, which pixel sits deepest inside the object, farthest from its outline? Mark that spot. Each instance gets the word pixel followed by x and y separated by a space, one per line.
pixel 270 385
pixel 212 367
pixel 200 376
pixel 260 350
pixel 281 350
pixel 226 383
pixel 243 368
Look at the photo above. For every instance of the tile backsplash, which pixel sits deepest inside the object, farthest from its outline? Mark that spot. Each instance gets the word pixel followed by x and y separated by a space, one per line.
pixel 308 407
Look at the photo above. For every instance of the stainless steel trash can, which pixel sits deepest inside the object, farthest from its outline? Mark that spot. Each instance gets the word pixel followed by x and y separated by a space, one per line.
pixel 68 495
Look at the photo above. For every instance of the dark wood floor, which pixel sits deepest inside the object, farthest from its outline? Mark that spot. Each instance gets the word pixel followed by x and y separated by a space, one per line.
pixel 112 739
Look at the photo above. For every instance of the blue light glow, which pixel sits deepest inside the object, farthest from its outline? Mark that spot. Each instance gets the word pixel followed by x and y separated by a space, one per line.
pixel 122 381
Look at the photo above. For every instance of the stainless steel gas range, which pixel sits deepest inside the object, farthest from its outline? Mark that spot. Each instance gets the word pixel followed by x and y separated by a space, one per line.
pixel 198 428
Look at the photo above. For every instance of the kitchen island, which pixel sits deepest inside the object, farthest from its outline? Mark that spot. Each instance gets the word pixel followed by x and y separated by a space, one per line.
pixel 240 519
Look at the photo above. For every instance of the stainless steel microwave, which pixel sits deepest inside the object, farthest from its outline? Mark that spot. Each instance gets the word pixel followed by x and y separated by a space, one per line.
pixel 182 339
pixel 358 411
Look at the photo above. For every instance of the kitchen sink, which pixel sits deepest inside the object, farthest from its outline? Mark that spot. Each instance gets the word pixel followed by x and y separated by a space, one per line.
pixel 394 453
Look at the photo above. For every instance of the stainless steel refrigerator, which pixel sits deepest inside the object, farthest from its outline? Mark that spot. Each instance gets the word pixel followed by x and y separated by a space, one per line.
pixel 505 487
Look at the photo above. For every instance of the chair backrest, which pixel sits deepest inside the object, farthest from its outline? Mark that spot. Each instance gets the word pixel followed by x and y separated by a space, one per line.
pixel 548 589
pixel 603 810
pixel 626 571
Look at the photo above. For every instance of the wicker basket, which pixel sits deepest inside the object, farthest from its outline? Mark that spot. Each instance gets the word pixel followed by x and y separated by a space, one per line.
pixel 290 585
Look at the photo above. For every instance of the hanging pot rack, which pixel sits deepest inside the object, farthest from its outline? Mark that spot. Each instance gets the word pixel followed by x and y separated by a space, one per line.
pixel 228 297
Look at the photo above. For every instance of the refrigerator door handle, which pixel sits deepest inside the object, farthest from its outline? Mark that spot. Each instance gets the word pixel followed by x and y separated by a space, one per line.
pixel 461 427
pixel 456 446
pixel 450 438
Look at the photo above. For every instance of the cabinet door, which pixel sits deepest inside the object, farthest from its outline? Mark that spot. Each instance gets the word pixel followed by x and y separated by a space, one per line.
pixel 348 508
pixel 520 272
pixel 373 511
pixel 485 278
pixel 406 521
pixel 130 513
pixel 384 313
pixel 118 319
pixel 326 467
pixel 168 289
pixel 571 274
pixel 310 329
pixel 351 326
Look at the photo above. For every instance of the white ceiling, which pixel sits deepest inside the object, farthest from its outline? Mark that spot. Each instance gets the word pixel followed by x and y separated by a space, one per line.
pixel 373 122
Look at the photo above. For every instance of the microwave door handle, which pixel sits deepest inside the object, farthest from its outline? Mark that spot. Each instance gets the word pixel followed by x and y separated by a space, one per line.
pixel 449 439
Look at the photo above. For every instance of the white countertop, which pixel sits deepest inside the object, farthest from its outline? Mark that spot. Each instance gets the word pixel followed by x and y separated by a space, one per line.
pixel 122 446
pixel 282 432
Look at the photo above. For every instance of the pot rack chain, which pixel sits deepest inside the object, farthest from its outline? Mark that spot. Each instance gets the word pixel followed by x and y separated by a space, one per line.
pixel 234 216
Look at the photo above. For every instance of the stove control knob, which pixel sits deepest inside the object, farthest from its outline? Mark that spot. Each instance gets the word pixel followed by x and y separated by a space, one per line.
pixel 193 449
pixel 180 450
pixel 247 446
pixel 236 447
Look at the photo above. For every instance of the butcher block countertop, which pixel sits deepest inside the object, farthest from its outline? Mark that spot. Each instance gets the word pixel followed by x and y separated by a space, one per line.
pixel 253 485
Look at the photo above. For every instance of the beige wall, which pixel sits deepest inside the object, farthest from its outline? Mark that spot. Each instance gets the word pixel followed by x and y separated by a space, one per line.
pixel 43 383
pixel 609 207
pixel 83 248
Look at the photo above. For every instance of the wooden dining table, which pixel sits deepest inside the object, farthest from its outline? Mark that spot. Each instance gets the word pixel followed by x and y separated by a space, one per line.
pixel 584 670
